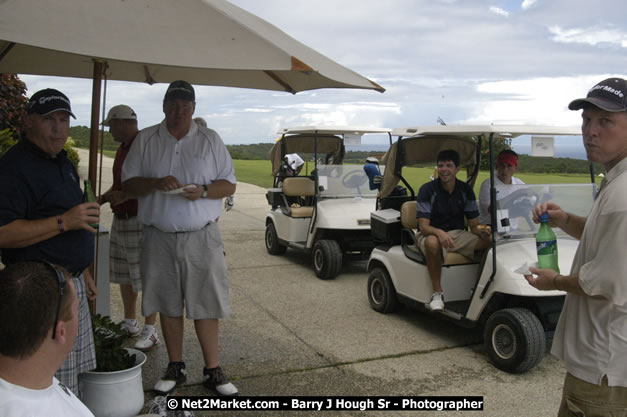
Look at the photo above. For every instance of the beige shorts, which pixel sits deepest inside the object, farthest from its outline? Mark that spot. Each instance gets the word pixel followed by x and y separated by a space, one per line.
pixel 583 398
pixel 465 243
pixel 185 271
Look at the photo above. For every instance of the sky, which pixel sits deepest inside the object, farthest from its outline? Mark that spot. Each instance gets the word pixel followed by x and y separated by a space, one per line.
pixel 464 61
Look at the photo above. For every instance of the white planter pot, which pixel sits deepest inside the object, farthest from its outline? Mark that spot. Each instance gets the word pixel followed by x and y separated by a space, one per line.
pixel 114 394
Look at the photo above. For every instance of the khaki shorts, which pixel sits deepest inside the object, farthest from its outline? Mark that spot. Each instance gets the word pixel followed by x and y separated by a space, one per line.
pixel 185 270
pixel 125 252
pixel 465 243
pixel 581 398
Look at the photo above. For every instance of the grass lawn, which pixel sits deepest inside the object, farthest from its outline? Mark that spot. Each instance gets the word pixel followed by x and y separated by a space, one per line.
pixel 259 173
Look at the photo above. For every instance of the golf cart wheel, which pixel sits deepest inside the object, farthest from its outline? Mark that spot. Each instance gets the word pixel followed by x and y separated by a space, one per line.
pixel 514 339
pixel 327 259
pixel 381 292
pixel 273 246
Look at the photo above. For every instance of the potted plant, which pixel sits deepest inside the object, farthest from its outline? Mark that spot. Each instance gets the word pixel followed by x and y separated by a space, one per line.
pixel 114 388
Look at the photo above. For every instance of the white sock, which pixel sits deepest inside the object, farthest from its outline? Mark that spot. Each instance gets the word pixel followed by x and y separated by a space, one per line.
pixel 150 327
pixel 131 322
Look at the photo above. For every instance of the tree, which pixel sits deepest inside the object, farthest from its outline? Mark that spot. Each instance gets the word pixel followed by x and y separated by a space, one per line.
pixel 499 144
pixel 12 103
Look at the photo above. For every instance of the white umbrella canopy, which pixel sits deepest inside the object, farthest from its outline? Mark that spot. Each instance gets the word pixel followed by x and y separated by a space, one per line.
pixel 210 42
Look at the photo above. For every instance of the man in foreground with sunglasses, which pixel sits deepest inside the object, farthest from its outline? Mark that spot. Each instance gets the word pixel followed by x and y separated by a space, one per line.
pixel 41 305
pixel 42 214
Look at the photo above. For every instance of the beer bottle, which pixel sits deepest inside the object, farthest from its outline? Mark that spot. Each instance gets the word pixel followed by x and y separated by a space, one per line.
pixel 89 197
pixel 546 244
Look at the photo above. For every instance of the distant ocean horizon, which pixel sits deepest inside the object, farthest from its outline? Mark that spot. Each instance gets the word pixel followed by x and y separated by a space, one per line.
pixel 565 152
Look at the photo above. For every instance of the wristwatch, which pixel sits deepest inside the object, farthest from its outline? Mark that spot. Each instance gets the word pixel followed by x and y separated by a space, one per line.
pixel 205 192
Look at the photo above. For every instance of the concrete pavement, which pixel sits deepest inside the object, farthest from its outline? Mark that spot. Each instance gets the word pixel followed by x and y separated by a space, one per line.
pixel 293 334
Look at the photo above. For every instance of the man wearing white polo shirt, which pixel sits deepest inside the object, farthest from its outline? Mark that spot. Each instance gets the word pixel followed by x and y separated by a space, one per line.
pixel 181 172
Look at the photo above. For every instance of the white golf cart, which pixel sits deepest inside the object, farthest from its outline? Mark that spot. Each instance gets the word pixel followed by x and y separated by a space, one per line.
pixel 491 293
pixel 325 212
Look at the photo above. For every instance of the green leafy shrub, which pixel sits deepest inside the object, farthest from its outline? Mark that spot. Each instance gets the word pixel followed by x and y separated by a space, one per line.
pixel 6 141
pixel 72 154
pixel 108 339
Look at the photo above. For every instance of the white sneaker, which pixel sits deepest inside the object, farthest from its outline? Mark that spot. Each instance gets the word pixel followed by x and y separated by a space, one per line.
pixel 437 302
pixel 148 339
pixel 131 327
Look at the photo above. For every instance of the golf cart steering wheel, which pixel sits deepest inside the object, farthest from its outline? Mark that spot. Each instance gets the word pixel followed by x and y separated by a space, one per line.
pixel 354 180
pixel 520 203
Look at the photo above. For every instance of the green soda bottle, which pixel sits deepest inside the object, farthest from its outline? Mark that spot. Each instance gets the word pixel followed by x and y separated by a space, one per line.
pixel 546 244
pixel 89 197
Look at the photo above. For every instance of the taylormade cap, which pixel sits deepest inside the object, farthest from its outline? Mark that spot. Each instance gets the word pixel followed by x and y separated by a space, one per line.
pixel 121 111
pixel 47 101
pixel 609 95
pixel 181 90
pixel 372 159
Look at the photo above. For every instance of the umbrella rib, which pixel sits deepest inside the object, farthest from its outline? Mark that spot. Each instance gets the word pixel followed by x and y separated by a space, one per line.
pixel 283 84
pixel 149 80
pixel 6 50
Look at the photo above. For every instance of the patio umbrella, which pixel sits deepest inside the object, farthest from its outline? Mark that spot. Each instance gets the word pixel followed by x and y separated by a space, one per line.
pixel 210 42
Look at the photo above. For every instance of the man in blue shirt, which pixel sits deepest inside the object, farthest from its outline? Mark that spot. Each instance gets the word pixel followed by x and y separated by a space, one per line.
pixel 371 168
pixel 43 217
pixel 441 206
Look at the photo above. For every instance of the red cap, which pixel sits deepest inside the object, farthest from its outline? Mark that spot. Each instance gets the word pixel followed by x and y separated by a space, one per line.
pixel 508 158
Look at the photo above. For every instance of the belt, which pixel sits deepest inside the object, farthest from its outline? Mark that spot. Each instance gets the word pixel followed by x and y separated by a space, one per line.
pixel 124 216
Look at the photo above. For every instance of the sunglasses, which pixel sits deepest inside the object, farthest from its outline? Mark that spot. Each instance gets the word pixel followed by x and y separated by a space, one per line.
pixel 61 284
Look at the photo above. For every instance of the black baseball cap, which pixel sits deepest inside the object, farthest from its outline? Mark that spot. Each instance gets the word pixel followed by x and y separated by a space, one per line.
pixel 47 101
pixel 609 95
pixel 181 90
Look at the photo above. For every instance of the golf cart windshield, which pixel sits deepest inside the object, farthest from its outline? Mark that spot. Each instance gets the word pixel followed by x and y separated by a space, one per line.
pixel 341 181
pixel 517 202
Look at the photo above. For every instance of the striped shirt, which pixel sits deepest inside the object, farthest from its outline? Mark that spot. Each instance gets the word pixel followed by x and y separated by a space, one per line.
pixel 446 211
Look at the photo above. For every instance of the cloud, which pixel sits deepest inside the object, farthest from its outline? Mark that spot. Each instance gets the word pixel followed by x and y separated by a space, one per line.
pixel 590 36
pixel 531 101
pixel 527 4
pixel 499 11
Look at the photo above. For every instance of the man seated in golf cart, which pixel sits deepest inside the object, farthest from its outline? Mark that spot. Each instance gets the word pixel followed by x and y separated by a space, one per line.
pixel 292 165
pixel 371 168
pixel 505 184
pixel 441 207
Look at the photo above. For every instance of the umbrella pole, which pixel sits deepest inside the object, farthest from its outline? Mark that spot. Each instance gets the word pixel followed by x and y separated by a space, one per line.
pixel 95 118
pixel 93 151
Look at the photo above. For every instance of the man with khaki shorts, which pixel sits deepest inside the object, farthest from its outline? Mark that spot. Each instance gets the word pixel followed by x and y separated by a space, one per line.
pixel 126 231
pixel 441 206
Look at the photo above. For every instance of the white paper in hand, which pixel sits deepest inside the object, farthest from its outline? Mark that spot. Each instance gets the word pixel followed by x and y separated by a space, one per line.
pixel 524 268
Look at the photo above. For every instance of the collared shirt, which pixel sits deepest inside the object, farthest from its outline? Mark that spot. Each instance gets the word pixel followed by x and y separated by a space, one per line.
pixel 128 207
pixel 502 191
pixel 35 186
pixel 199 157
pixel 591 335
pixel 446 211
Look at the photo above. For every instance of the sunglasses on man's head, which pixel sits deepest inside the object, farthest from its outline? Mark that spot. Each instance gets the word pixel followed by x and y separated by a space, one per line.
pixel 61 284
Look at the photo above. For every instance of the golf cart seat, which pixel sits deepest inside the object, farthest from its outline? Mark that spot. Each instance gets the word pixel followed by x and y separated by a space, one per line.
pixel 409 224
pixel 302 188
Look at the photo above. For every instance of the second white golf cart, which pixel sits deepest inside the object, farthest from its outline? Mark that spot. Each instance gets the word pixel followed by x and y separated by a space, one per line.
pixel 493 293
pixel 325 212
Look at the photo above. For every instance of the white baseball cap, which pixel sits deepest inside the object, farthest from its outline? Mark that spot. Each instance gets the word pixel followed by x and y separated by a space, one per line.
pixel 121 111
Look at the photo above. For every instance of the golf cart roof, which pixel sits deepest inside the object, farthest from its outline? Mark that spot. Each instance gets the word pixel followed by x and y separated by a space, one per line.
pixel 424 149
pixel 332 130
pixel 502 131
pixel 302 139
pixel 421 144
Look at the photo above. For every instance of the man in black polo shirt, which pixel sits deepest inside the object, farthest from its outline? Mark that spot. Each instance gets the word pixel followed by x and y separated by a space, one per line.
pixel 441 206
pixel 42 214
